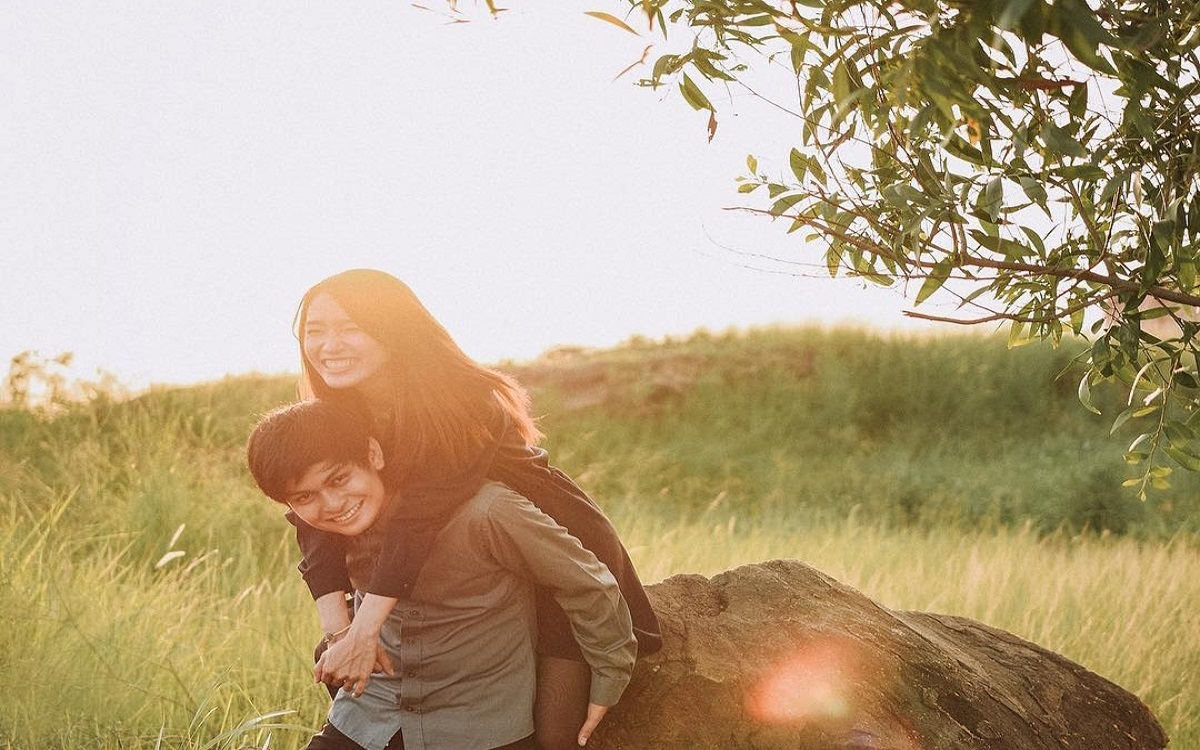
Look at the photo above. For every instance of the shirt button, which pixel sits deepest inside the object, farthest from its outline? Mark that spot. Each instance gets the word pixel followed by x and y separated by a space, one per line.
pixel 411 673
pixel 413 613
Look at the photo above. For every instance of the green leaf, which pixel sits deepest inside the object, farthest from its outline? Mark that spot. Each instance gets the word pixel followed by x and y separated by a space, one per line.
pixel 1121 419
pixel 693 95
pixel 841 83
pixel 1085 172
pixel 991 198
pixel 1115 184
pixel 1010 248
pixel 1163 233
pixel 798 163
pixel 608 18
pixel 1058 141
pixel 1034 190
pixel 761 20
pixel 1018 335
pixel 1077 105
pixel 1080 29
pixel 937 277
pixel 833 261
pixel 1182 457
pixel 1036 240
pixel 1138 441
pixel 965 151
pixel 782 205
pixel 1187 275
pixel 1085 396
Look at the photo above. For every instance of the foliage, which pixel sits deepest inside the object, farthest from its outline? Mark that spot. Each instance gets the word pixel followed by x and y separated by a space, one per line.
pixel 38 381
pixel 1033 162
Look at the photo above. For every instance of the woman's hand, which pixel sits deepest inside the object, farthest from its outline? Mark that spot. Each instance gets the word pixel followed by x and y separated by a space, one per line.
pixel 594 715
pixel 349 662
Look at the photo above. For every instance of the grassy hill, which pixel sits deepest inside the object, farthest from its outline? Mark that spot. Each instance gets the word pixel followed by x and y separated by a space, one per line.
pixel 151 598
pixel 901 430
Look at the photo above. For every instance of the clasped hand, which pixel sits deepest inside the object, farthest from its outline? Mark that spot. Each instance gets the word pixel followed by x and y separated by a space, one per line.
pixel 349 662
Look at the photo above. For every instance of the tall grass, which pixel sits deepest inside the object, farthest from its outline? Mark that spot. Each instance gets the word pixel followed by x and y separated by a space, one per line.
pixel 150 600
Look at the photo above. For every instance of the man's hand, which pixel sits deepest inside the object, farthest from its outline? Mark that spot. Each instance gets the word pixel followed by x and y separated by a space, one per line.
pixel 594 715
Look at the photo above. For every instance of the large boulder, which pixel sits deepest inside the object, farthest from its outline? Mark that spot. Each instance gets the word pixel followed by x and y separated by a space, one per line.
pixel 777 655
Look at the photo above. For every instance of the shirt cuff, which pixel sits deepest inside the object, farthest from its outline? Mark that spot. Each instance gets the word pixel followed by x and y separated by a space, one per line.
pixel 321 582
pixel 606 691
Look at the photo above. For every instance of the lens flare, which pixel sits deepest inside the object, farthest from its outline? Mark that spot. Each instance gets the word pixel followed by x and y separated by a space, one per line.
pixel 812 684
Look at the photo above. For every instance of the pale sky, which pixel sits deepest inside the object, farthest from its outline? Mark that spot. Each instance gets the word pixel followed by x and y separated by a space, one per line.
pixel 175 175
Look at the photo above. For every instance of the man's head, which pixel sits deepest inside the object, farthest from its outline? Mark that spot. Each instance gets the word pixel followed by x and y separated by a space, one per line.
pixel 320 460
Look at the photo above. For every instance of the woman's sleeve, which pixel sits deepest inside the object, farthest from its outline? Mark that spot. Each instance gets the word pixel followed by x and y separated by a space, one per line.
pixel 323 558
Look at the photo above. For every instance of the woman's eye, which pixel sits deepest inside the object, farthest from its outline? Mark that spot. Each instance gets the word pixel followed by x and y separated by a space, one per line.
pixel 299 500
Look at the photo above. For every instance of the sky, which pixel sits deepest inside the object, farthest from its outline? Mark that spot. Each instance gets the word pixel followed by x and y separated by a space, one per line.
pixel 176 175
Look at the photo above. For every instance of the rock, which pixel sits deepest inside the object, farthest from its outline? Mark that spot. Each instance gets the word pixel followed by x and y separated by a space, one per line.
pixel 777 655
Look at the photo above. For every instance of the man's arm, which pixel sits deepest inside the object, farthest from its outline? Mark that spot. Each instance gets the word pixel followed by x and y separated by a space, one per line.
pixel 527 541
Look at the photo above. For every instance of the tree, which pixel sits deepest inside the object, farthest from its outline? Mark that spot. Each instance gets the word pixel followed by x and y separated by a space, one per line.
pixel 1035 162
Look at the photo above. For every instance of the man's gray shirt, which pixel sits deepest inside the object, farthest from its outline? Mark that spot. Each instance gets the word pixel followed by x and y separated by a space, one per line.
pixel 463 643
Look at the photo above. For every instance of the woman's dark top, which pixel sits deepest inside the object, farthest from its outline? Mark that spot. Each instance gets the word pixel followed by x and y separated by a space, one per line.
pixel 426 508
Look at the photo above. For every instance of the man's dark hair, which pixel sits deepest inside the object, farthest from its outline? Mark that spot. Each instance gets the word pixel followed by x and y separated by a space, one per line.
pixel 290 440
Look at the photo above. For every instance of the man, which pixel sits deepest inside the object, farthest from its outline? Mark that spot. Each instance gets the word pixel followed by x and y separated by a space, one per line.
pixel 463 635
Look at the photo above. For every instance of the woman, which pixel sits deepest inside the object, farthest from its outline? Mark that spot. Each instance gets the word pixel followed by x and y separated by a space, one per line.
pixel 448 424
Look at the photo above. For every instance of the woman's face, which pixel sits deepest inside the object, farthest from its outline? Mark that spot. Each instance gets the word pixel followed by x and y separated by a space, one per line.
pixel 340 352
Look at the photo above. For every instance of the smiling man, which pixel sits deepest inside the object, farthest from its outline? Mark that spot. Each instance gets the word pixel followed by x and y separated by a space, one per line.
pixel 462 637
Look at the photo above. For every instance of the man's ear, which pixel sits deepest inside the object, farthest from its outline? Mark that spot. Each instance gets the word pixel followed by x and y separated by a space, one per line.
pixel 374 454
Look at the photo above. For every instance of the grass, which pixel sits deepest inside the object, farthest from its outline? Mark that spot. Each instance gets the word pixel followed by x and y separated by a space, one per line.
pixel 150 597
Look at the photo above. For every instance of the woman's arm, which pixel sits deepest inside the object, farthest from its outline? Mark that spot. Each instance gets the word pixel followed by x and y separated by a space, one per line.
pixel 351 658
pixel 334 614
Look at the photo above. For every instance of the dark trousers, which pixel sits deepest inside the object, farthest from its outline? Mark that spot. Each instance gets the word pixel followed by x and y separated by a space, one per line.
pixel 329 738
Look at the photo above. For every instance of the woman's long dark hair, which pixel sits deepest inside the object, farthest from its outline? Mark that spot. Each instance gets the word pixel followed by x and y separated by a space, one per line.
pixel 446 409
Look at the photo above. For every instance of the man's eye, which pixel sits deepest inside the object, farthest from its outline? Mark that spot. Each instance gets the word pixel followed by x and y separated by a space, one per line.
pixel 339 479
pixel 304 499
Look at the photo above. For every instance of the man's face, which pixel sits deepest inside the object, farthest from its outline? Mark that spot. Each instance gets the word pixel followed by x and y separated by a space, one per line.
pixel 343 498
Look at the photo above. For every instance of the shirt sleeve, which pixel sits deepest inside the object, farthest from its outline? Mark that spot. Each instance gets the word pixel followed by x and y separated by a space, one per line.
pixel 323 558
pixel 528 542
